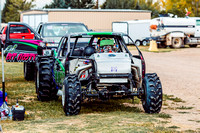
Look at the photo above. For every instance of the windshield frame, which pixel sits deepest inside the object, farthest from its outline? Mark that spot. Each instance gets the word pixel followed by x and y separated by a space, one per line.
pixel 60 24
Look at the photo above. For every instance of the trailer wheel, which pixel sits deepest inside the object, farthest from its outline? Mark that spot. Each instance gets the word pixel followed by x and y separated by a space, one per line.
pixel 152 98
pixel 177 42
pixel 193 45
pixel 144 42
pixel 137 42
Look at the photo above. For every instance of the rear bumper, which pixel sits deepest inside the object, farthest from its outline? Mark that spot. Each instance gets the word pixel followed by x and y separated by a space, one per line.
pixel 114 78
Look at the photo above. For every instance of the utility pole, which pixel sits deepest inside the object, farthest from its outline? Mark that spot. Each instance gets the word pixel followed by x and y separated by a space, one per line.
pixel 97 4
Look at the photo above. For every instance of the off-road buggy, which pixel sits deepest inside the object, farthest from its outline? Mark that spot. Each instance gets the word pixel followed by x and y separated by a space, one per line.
pixel 95 65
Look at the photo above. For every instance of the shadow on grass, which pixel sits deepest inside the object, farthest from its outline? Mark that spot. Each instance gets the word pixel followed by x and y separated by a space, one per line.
pixel 18 79
pixel 107 106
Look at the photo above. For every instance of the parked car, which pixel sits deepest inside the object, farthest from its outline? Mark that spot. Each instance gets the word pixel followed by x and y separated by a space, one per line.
pixel 51 32
pixel 16 32
pixel 22 42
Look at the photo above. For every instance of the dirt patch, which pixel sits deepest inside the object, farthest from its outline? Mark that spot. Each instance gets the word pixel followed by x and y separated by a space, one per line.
pixel 180 76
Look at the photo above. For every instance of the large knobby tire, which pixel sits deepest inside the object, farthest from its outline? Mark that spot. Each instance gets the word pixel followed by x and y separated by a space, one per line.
pixel 45 88
pixel 71 96
pixel 29 70
pixel 177 42
pixel 152 99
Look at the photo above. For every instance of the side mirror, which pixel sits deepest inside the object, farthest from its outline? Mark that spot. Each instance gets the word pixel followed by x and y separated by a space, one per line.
pixel 90 30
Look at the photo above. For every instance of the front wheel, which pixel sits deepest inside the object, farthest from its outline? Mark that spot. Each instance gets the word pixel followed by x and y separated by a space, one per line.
pixel 71 95
pixel 152 98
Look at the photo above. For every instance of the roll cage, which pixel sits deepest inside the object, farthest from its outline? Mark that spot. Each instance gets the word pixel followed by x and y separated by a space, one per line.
pixel 63 49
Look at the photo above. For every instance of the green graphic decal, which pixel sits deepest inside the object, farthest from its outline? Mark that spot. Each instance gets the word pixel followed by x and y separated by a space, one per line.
pixel 10 48
pixel 28 44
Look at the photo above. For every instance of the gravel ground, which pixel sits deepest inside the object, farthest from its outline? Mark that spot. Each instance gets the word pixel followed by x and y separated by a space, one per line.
pixel 179 72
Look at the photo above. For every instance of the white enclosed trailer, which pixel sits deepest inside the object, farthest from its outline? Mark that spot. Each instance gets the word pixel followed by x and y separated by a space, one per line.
pixel 138 30
pixel 34 20
pixel 176 32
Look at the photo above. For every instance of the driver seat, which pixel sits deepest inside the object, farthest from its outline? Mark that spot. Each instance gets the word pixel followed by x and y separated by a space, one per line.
pixel 89 50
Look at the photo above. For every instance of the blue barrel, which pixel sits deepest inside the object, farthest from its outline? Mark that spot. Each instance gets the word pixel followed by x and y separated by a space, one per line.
pixel 1 97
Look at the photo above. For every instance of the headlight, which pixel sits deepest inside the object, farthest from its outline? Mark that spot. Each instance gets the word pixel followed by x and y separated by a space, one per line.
pixel 47 52
pixel 52 45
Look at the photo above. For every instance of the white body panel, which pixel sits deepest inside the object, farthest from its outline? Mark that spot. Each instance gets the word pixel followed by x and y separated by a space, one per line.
pixel 185 25
pixel 197 29
pixel 114 80
pixel 113 63
pixel 138 63
pixel 137 29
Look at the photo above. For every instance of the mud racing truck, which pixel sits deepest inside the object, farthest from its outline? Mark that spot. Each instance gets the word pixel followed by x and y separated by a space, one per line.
pixel 95 65
pixel 22 42
pixel 20 45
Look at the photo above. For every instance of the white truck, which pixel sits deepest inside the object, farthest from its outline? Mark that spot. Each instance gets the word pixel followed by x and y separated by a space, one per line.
pixel 176 32
pixel 138 30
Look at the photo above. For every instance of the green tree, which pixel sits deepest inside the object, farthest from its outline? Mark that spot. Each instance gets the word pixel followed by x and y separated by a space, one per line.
pixel 150 5
pixel 12 9
pixel 119 4
pixel 77 4
pixel 58 4
pixel 180 7
pixel 84 4
pixel 133 4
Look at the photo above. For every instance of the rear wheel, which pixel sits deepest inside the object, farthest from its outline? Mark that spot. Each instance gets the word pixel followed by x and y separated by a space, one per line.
pixel 193 45
pixel 152 98
pixel 29 70
pixel 44 81
pixel 144 42
pixel 177 42
pixel 71 96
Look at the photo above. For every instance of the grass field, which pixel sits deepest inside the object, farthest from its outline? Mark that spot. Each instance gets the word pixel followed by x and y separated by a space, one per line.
pixel 95 116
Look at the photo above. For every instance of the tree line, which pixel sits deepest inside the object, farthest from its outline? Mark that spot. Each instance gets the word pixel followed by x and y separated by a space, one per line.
pixel 12 8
